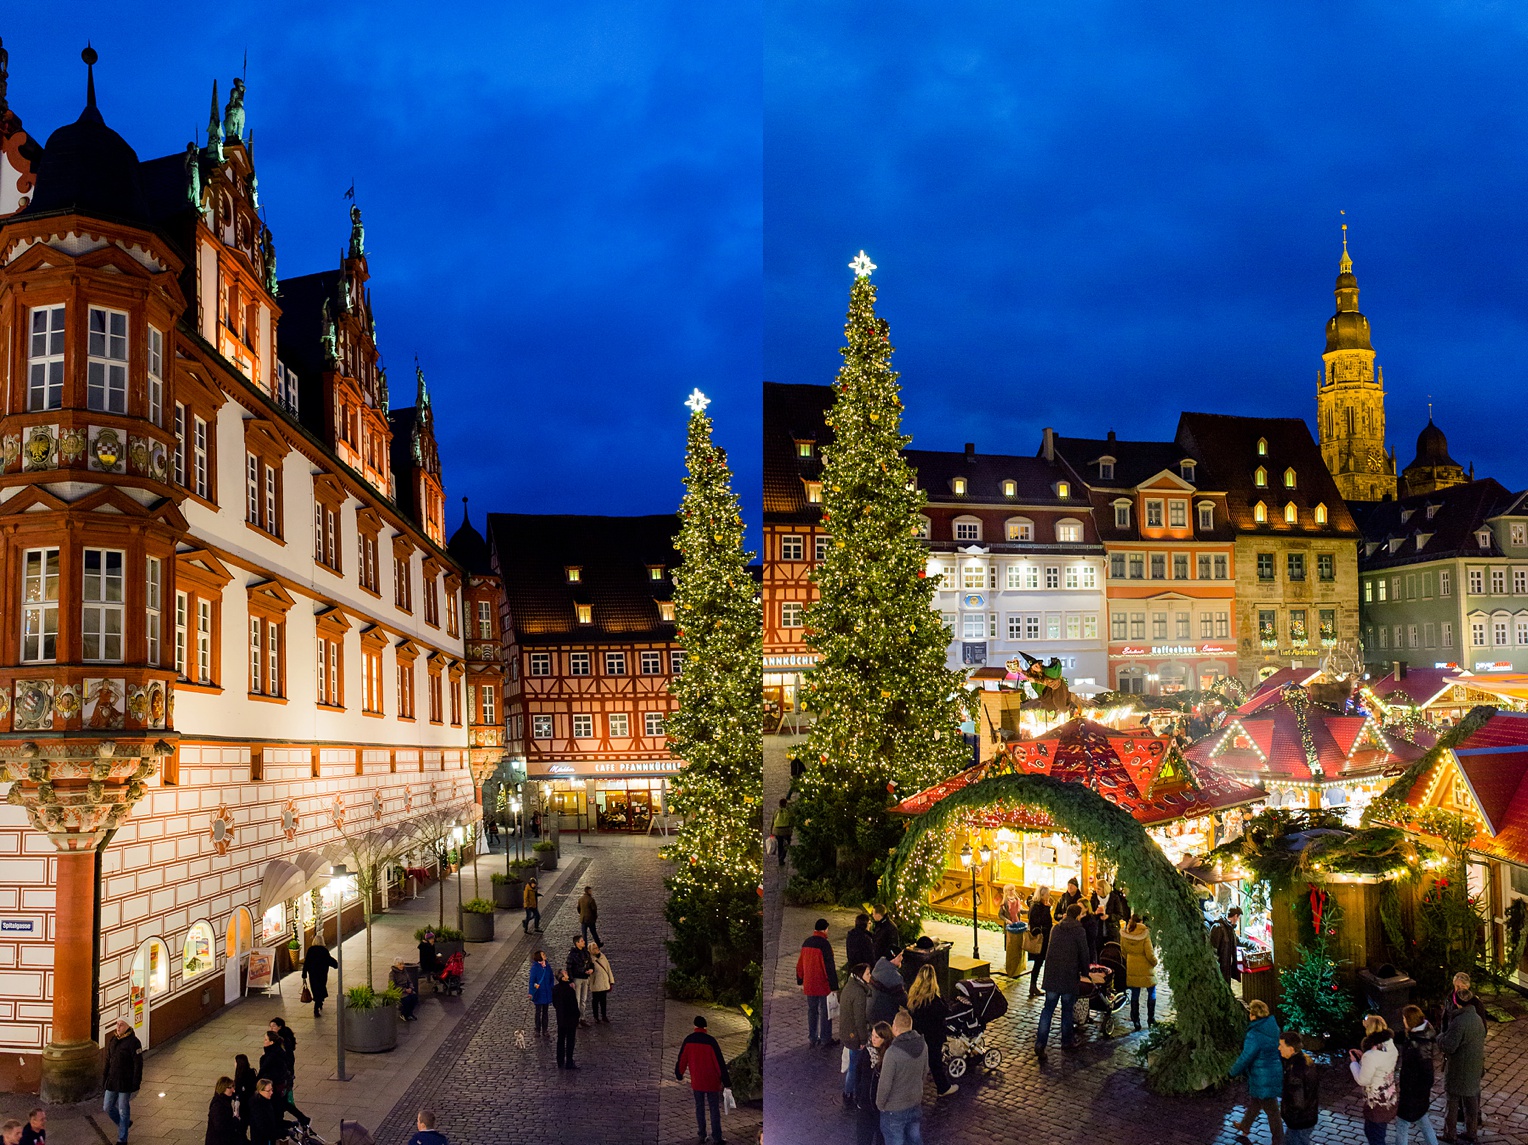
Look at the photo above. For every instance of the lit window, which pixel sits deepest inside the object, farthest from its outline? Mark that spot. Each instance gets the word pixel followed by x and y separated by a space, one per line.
pixel 45 359
pixel 1260 477
pixel 1321 514
pixel 1069 532
pixel 1018 529
pixel 1260 513
pixel 1063 489
pixel 1010 488
pixel 1289 478
pixel 106 372
pixel 803 449
pixel 814 492
pixel 585 613
pixel 958 486
pixel 575 574
pixel 666 611
pixel 1262 447
pixel 654 572
pixel 1291 514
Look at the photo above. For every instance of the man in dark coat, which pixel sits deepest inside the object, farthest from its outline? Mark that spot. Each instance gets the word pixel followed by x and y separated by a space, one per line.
pixel 1464 1046
pixel 565 1006
pixel 883 934
pixel 123 1075
pixel 859 946
pixel 1066 965
pixel 580 970
pixel 315 972
pixel 1300 1102
pixel 589 917
pixel 1224 942
pixel 702 1057
pixel 888 993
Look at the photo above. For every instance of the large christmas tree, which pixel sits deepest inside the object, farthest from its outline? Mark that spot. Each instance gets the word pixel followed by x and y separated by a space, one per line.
pixel 713 908
pixel 887 709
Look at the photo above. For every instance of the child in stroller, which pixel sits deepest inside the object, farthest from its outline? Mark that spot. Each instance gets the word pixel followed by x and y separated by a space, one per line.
pixel 1102 991
pixel 452 973
pixel 976 1004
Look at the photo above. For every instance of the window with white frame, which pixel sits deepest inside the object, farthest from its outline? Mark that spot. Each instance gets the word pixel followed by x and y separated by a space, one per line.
pixel 1177 514
pixel 1073 577
pixel 1445 582
pixel 968 529
pixel 651 663
pixel 1518 531
pixel 1446 634
pixel 273 632
pixel 583 725
pixel 1477 581
pixel 1153 514
pixel 579 664
pixel 256 654
pixel 1520 580
pixel 155 373
pixel 791 613
pixel 1069 532
pixel 101 617
pixel 1052 576
pixel 820 547
pixel 204 641
pixel 1053 626
pixel 615 663
pixel 1498 581
pixel 541 727
pixel 1478 633
pixel 1019 529
pixel 540 664
pixel 922 528
pixel 45 359
pixel 973 626
pixel 652 723
pixel 178 462
pixel 620 725
pixel 199 468
pixel 106 361
pixel 973 575
pixel 1122 514
pixel 182 633
pixel 1206 516
pixel 153 605
pixel 792 547
pixel 490 698
pixel 485 619
pixel 1159 626
pixel 1522 631
pixel 1106 470
pixel 39 606
pixel 1119 626
pixel 1499 630
pixel 252 487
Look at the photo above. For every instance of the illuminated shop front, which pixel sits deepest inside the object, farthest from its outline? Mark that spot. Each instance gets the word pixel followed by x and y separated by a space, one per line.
pixel 607 795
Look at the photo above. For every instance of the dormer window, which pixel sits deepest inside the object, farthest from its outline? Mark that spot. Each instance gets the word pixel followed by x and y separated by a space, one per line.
pixel 1206 515
pixel 1122 514
pixel 1010 488
pixel 803 449
pixel 1260 513
pixel 585 613
pixel 814 492
pixel 1431 509
pixel 654 572
pixel 1106 469
pixel 1291 514
pixel 1483 538
pixel 1063 489
pixel 1406 515
pixel 1321 514
pixel 1262 447
pixel 1260 477
pixel 1186 470
pixel 1289 478
pixel 666 611
pixel 958 486
pixel 575 574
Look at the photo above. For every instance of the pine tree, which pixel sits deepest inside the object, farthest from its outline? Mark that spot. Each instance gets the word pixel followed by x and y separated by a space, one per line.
pixel 714 910
pixel 887 708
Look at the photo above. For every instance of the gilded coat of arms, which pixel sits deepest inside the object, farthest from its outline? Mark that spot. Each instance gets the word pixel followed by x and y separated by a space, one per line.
pixel 38 451
pixel 71 445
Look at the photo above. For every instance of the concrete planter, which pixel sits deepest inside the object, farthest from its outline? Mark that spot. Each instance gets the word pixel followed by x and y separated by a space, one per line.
pixel 509 896
pixel 445 949
pixel 373 1031
pixel 477 927
pixel 547 860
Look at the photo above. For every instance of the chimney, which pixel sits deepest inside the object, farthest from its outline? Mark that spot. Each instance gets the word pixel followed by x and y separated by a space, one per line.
pixel 971 452
pixel 1111 437
pixel 1048 450
pixel 1400 669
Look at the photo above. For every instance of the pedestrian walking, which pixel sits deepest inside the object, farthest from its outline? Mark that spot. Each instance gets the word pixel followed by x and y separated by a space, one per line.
pixel 589 916
pixel 565 1005
pixel 1261 1061
pixel 1040 922
pixel 601 980
pixel 1463 1043
pixel 899 1092
pixel 1415 1080
pixel 867 1115
pixel 223 1126
pixel 540 989
pixel 286 1091
pixel 265 1127
pixel 123 1075
pixel 10 1131
pixel 1011 913
pixel 782 828
pixel 316 964
pixel 701 1057
pixel 1224 941
pixel 35 1131
pixel 400 979
pixel 888 993
pixel 1374 1068
pixel 929 1012
pixel 854 1026
pixel 580 970
pixel 1300 1105
pixel 1066 965
pixel 858 945
pixel 817 975
pixel 884 935
pixel 1140 969
pixel 532 901
pixel 425 1132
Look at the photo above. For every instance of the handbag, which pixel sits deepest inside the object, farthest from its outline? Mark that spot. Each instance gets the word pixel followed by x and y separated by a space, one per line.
pixel 1384 1110
pixel 306 996
pixel 843 1061
pixel 1034 942
pixel 729 1103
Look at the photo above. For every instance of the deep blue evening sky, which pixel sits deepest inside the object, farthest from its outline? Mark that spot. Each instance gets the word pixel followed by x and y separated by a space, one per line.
pixel 562 206
pixel 1094 215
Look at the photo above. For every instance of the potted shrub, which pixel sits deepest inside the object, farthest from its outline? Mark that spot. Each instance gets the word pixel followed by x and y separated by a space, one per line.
pixel 371 1019
pixel 508 891
pixel 477 920
pixel 546 854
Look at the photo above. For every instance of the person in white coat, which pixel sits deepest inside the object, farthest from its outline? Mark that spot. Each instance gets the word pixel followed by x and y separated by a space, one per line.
pixel 1374 1069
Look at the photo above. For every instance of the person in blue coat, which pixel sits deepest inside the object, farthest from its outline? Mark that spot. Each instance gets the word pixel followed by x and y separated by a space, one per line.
pixel 1264 1068
pixel 540 990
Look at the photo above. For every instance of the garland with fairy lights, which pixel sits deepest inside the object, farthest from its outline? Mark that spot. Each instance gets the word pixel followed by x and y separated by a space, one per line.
pixel 887 709
pixel 1282 847
pixel 713 909
pixel 1210 1022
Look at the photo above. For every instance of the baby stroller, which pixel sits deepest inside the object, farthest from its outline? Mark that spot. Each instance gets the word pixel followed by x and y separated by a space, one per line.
pixel 452 973
pixel 1102 992
pixel 977 1002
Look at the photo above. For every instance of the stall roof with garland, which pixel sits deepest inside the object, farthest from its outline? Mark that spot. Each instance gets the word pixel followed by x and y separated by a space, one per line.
pixel 1141 772
pixel 1285 735
pixel 1484 775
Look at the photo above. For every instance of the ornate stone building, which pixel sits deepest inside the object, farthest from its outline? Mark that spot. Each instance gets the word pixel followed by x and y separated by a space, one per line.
pixel 1350 400
pixel 208 675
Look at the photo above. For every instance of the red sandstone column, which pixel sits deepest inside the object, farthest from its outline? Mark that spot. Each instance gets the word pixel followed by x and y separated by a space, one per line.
pixel 73 956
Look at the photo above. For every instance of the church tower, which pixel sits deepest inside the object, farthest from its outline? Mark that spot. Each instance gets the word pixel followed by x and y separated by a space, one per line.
pixel 1350 401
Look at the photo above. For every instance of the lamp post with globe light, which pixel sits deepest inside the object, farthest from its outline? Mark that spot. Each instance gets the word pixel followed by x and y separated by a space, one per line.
pixel 969 861
pixel 339 883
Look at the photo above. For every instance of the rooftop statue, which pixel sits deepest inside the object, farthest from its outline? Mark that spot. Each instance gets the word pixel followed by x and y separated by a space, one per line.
pixel 357 232
pixel 233 114
pixel 193 175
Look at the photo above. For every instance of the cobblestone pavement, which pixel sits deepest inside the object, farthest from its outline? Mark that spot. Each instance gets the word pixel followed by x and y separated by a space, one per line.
pixel 1094 1096
pixel 494 1080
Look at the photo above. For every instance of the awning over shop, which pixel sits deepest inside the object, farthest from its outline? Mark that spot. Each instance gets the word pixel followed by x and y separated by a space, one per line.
pixel 282 881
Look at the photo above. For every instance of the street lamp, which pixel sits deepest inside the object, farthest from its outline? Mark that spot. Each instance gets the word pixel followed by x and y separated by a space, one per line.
pixel 969 861
pixel 457 835
pixel 339 883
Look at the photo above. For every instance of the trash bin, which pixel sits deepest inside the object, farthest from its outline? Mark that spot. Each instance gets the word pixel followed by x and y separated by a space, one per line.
pixel 913 959
pixel 1387 992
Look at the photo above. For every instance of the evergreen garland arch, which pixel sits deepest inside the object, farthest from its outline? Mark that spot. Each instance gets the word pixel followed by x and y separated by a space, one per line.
pixel 1210 1021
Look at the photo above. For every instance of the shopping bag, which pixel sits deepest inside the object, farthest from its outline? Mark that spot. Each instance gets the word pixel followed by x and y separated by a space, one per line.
pixel 729 1103
pixel 771 844
pixel 833 1007
pixel 843 1061
pixel 1034 942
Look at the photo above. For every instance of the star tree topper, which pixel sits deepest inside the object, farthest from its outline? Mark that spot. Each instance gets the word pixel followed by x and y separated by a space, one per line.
pixel 697 401
pixel 862 266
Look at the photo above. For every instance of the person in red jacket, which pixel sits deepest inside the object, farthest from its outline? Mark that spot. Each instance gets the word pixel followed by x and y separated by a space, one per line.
pixel 817 975
pixel 708 1077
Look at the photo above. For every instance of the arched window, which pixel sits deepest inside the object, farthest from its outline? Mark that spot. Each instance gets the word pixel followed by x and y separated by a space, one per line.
pixel 1321 514
pixel 1186 469
pixel 1018 529
pixel 1262 447
pixel 1291 514
pixel 1260 477
pixel 196 956
pixel 922 529
pixel 1069 531
pixel 1260 513
pixel 1289 478
pixel 968 529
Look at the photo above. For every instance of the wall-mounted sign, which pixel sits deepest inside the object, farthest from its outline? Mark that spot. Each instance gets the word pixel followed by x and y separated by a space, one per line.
pixel 1173 650
pixel 973 652
pixel 1493 665
pixel 13 927
pixel 974 600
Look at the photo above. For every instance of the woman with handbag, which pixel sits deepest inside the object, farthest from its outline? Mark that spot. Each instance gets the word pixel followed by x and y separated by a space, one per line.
pixel 929 1012
pixel 1374 1068
pixel 1037 938
pixel 1014 927
pixel 315 974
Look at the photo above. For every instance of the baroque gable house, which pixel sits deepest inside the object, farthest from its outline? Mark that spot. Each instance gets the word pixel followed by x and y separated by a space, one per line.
pixel 221 624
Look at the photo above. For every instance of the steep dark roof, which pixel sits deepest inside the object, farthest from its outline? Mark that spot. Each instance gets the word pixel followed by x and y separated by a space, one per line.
pixel 793 413
pixel 468 548
pixel 1134 461
pixel 532 553
pixel 985 473
pixel 300 337
pixel 1228 446
pixel 1406 527
pixel 1432 448
pixel 88 169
